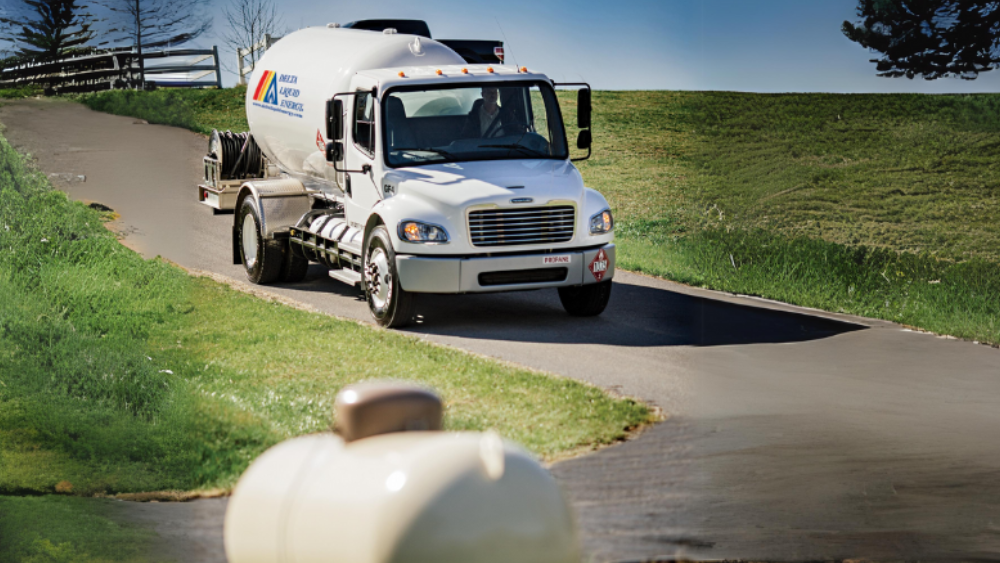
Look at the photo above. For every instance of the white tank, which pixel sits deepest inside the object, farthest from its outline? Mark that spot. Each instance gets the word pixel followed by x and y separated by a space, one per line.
pixel 407 497
pixel 290 85
pixel 392 488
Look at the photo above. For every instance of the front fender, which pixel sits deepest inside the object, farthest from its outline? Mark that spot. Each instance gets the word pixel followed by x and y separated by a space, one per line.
pixel 404 207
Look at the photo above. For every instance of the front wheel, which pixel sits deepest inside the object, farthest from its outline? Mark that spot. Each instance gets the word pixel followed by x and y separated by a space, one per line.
pixel 389 303
pixel 586 300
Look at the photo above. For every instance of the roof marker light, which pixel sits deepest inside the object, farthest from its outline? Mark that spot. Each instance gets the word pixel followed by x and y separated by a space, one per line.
pixel 524 69
pixel 489 69
pixel 465 71
pixel 439 73
pixel 402 74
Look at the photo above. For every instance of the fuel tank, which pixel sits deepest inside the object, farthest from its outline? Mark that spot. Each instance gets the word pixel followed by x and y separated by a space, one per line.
pixel 290 85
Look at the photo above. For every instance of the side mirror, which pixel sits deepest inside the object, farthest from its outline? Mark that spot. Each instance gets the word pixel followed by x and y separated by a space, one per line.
pixel 334 151
pixel 335 119
pixel 584 140
pixel 583 109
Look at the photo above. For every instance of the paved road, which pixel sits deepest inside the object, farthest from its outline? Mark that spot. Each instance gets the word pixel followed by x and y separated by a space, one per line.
pixel 793 434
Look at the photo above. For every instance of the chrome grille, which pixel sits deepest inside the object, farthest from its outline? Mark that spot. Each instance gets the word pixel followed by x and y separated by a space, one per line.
pixel 536 225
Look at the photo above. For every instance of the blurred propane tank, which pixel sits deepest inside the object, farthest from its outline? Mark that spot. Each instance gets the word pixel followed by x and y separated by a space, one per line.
pixel 391 487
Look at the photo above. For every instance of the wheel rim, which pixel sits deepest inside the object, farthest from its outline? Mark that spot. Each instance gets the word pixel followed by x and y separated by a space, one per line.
pixel 379 279
pixel 249 241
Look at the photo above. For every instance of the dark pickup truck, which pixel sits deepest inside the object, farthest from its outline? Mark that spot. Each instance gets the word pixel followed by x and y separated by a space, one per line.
pixel 473 51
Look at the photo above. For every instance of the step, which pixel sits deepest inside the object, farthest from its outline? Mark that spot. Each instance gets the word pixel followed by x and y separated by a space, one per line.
pixel 350 277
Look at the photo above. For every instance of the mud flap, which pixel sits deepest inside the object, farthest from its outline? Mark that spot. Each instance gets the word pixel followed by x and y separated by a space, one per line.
pixel 237 258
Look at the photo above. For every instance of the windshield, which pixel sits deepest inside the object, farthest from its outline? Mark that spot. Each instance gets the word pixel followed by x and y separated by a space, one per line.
pixel 428 125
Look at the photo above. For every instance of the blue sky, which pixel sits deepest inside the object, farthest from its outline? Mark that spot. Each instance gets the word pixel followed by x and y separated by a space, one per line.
pixel 753 46
pixel 762 46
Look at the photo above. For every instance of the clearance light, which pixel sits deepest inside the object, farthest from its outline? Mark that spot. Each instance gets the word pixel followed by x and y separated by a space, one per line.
pixel 602 223
pixel 413 231
pixel 439 73
pixel 402 75
pixel 465 71
pixel 489 69
pixel 524 69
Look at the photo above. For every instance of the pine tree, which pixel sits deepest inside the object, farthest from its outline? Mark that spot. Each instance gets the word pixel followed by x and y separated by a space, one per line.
pixel 929 38
pixel 47 29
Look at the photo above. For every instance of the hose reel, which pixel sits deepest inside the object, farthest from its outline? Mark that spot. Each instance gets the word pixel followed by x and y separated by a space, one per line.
pixel 238 155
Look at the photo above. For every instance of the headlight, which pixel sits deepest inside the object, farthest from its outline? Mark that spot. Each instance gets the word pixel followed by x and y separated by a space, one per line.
pixel 415 231
pixel 602 223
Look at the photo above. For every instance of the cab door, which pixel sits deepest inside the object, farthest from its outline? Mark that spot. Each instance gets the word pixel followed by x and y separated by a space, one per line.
pixel 361 151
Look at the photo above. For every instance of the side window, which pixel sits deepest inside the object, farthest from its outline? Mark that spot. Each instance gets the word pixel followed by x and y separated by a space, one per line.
pixel 364 122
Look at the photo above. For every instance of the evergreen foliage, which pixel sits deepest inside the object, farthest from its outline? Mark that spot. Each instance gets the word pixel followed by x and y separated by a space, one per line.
pixel 929 38
pixel 47 29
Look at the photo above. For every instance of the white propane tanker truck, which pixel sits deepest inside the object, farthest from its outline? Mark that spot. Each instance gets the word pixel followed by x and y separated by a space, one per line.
pixel 405 170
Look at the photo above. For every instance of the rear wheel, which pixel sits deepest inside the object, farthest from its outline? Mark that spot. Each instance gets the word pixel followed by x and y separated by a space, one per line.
pixel 293 267
pixel 389 303
pixel 262 259
pixel 586 300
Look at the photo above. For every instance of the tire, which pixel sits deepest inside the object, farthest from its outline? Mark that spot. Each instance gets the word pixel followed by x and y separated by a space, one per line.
pixel 586 300
pixel 388 302
pixel 293 267
pixel 262 259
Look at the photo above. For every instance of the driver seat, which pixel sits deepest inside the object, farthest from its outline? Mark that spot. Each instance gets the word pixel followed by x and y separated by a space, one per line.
pixel 400 133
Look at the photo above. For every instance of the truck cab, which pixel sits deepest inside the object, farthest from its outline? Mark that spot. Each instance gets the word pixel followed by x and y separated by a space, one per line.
pixel 440 178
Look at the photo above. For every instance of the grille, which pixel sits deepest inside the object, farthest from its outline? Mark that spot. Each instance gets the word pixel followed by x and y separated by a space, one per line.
pixel 509 277
pixel 538 225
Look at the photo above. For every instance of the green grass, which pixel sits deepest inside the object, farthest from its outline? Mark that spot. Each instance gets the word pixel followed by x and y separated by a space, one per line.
pixel 877 205
pixel 59 529
pixel 817 199
pixel 119 374
pixel 21 92
pixel 198 110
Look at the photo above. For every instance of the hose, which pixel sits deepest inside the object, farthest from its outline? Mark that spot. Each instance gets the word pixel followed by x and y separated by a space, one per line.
pixel 238 155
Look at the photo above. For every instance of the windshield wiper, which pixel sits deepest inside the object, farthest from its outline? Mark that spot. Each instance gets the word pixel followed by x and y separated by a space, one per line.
pixel 522 148
pixel 441 152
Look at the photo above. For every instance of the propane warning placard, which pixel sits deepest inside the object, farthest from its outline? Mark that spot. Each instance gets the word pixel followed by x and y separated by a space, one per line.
pixel 599 265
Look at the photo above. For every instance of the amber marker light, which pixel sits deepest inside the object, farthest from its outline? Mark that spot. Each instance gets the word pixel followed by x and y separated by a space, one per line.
pixel 439 73
pixel 412 231
pixel 524 69
pixel 401 74
pixel 489 69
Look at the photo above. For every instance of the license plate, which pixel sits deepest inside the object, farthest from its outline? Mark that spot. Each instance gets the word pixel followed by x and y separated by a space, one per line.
pixel 547 260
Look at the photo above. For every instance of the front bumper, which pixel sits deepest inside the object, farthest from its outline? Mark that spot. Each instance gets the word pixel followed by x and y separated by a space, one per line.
pixel 420 274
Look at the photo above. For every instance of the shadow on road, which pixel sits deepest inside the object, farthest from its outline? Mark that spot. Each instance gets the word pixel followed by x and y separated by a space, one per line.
pixel 636 316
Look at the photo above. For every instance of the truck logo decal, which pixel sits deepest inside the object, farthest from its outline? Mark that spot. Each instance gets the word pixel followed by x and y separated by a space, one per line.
pixel 599 265
pixel 268 95
pixel 522 200
pixel 267 89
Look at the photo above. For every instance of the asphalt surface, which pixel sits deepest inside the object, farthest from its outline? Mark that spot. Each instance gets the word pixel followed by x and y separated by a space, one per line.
pixel 793 434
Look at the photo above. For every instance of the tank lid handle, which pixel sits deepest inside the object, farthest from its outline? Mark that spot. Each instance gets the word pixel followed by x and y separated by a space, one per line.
pixel 373 408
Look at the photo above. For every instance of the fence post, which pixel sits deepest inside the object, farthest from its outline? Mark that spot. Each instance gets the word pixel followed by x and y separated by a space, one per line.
pixel 218 73
pixel 239 65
